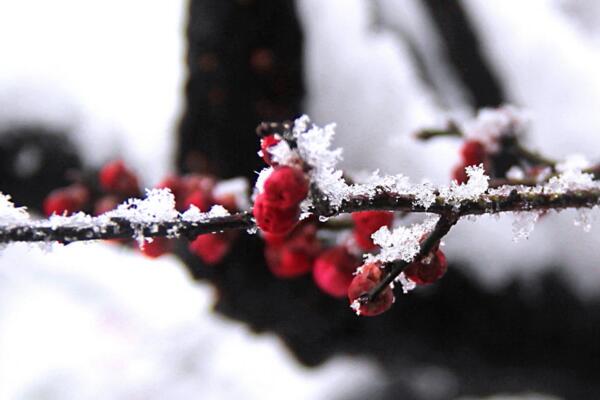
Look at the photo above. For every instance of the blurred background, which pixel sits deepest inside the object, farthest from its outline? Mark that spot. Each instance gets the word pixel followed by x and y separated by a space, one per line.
pixel 179 86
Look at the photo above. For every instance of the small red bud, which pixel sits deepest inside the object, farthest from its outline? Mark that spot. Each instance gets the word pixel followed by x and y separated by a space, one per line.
pixel 366 280
pixel 472 152
pixel 333 271
pixel 286 187
pixel 287 262
pixel 272 219
pixel 115 177
pixel 459 174
pixel 157 247
pixel 211 247
pixel 66 200
pixel 427 270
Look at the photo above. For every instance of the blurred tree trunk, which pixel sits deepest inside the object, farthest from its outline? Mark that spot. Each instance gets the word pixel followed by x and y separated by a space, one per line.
pixel 245 65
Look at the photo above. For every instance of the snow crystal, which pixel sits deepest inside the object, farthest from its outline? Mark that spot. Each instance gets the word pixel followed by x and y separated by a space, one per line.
pixel 262 177
pixel 159 205
pixel 491 123
pixel 477 185
pixel 283 154
pixel 403 243
pixel 425 195
pixel 407 283
pixel 523 224
pixel 9 214
pixel 571 176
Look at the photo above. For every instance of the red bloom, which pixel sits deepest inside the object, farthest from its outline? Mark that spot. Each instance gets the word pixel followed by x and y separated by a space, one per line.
pixel 211 247
pixel 427 270
pixel 273 219
pixel 333 271
pixel 265 143
pixel 286 187
pixel 115 177
pixel 366 280
pixel 367 223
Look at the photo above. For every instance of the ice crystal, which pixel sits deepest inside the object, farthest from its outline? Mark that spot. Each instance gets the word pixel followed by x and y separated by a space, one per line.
pixel 523 224
pixel 407 283
pixel 477 185
pixel 282 153
pixel 584 219
pixel 262 178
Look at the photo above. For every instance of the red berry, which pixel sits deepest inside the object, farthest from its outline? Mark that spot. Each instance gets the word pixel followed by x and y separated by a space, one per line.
pixel 265 143
pixel 66 200
pixel 115 177
pixel 367 223
pixel 228 201
pixel 366 280
pixel 287 262
pixel 473 152
pixel 427 270
pixel 105 204
pixel 199 199
pixel 211 247
pixel 156 247
pixel 459 174
pixel 272 219
pixel 333 271
pixel 286 187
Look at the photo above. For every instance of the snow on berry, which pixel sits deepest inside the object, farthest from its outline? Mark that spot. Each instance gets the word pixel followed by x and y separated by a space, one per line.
pixel 493 123
pixel 367 223
pixel 265 144
pixel 369 276
pixel 333 271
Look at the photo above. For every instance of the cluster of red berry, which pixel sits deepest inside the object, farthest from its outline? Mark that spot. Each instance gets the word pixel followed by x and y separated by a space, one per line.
pixel 292 248
pixel 116 183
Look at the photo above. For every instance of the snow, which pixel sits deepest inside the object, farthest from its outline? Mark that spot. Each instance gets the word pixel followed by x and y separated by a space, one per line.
pixel 491 123
pixel 9 214
pixel 407 283
pixel 402 243
pixel 101 321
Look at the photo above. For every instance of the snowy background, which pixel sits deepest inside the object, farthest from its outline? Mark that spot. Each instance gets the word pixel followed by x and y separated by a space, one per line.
pixel 98 321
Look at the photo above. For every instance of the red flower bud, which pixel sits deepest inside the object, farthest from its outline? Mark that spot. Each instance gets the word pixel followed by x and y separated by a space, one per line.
pixel 286 187
pixel 428 270
pixel 362 283
pixel 459 174
pixel 333 271
pixel 115 177
pixel 272 219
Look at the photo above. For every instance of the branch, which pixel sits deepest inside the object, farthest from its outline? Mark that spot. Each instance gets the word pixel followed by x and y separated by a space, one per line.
pixel 442 227
pixel 120 228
